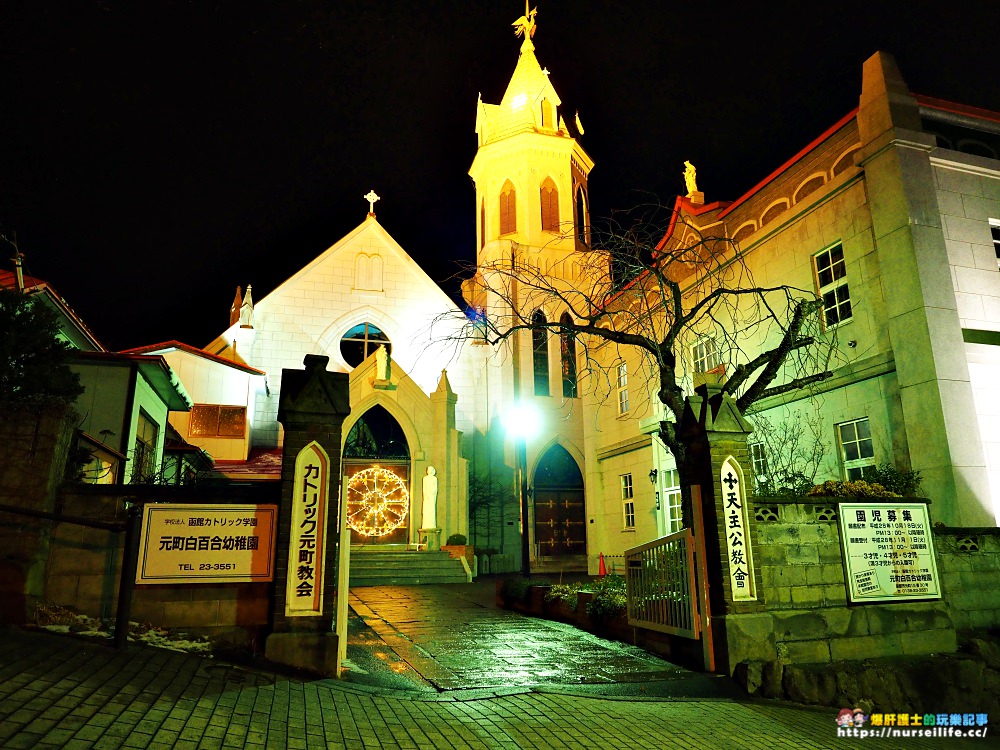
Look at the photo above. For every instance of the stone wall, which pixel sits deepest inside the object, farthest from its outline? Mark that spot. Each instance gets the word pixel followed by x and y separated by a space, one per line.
pixel 84 567
pixel 807 617
pixel 34 444
pixel 969 566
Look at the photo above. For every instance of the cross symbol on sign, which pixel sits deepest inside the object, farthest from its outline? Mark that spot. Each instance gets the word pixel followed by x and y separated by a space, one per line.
pixel 371 198
pixel 730 480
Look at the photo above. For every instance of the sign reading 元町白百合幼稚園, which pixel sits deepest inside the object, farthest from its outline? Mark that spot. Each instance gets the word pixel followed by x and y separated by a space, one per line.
pixel 888 551
pixel 213 543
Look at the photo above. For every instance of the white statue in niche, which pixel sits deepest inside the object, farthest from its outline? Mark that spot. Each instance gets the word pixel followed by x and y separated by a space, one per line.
pixel 430 488
pixel 383 369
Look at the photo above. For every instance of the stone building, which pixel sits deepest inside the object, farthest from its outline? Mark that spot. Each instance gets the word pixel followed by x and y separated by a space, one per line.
pixel 892 216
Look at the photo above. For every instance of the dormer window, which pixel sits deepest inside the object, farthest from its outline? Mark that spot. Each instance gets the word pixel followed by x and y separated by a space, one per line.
pixel 548 116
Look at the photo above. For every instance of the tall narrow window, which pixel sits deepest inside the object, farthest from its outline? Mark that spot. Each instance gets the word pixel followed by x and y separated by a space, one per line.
pixel 758 462
pixel 995 231
pixel 628 503
pixel 582 218
pixel 672 497
pixel 144 453
pixel 482 223
pixel 831 278
pixel 547 117
pixel 508 209
pixel 550 206
pixel 540 353
pixel 567 355
pixel 856 449
pixel 623 388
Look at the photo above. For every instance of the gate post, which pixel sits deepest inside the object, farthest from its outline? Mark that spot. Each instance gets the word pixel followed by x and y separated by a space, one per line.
pixel 717 434
pixel 312 408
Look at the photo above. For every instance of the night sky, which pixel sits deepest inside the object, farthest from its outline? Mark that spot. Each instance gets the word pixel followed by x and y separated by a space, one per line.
pixel 153 155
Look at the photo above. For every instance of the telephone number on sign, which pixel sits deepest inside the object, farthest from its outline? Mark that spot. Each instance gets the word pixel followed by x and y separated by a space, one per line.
pixel 217 566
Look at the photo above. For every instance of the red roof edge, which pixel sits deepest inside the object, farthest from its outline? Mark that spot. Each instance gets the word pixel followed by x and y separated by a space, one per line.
pixel 174 344
pixel 958 109
pixel 811 145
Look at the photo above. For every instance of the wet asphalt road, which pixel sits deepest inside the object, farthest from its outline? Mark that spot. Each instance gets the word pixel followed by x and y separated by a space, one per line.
pixel 453 637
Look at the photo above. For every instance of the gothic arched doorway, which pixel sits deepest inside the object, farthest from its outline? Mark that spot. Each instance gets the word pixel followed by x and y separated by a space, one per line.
pixel 559 511
pixel 377 477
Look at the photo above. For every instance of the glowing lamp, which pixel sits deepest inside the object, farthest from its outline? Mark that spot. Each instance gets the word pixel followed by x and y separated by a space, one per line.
pixel 522 421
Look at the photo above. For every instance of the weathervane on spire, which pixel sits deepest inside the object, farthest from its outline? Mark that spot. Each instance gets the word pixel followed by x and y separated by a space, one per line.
pixel 525 25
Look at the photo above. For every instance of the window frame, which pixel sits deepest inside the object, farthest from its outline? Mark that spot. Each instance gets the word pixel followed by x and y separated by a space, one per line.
pixel 508 209
pixel 567 360
pixel 199 408
pixel 854 468
pixel 144 468
pixel 628 501
pixel 705 351
pixel 835 292
pixel 541 383
pixel 622 388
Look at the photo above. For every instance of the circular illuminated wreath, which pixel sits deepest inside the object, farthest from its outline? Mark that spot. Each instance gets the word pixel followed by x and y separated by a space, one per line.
pixel 377 502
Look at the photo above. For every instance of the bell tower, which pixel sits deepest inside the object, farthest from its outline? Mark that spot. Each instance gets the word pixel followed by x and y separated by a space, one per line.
pixel 530 172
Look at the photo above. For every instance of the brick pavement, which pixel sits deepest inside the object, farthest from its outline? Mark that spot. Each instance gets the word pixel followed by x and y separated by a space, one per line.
pixel 60 691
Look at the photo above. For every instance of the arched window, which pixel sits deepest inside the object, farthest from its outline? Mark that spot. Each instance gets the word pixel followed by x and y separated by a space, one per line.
pixel 508 209
pixel 582 219
pixel 550 206
pixel 547 114
pixel 361 342
pixel 482 223
pixel 567 355
pixel 540 353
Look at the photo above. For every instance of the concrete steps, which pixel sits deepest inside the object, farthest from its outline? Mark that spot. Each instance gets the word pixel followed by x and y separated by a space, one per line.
pixel 380 567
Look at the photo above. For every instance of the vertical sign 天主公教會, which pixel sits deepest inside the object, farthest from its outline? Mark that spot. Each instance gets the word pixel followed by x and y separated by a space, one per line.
pixel 736 528
pixel 308 533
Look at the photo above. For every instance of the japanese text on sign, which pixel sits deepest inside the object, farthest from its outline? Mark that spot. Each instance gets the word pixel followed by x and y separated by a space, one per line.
pixel 307 547
pixel 216 543
pixel 888 551
pixel 740 556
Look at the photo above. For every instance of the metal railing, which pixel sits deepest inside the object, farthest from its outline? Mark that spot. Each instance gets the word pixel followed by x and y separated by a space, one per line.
pixel 660 585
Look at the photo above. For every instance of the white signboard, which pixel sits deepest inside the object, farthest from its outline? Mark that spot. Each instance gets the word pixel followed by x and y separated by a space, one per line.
pixel 738 552
pixel 307 542
pixel 217 543
pixel 888 551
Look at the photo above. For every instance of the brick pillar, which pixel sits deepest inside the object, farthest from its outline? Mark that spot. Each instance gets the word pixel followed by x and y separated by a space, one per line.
pixel 312 406
pixel 716 432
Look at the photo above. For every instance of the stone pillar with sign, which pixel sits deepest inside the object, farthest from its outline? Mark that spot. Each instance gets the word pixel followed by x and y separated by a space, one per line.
pixel 717 433
pixel 312 408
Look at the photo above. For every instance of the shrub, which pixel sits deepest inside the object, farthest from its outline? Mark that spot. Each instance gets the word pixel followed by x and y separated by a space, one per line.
pixel 515 589
pixel 858 488
pixel 456 539
pixel 609 597
pixel 905 483
pixel 566 592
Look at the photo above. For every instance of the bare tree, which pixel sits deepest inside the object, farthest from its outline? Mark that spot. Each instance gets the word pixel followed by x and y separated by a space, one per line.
pixel 658 293
pixel 789 450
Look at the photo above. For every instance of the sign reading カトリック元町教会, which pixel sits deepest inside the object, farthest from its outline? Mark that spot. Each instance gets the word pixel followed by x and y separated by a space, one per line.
pixel 888 551
pixel 214 543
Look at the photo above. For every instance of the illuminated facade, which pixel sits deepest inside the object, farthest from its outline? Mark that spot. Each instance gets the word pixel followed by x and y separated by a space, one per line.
pixel 892 216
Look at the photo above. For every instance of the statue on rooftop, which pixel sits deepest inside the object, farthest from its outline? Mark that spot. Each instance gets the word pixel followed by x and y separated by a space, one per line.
pixel 689 177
